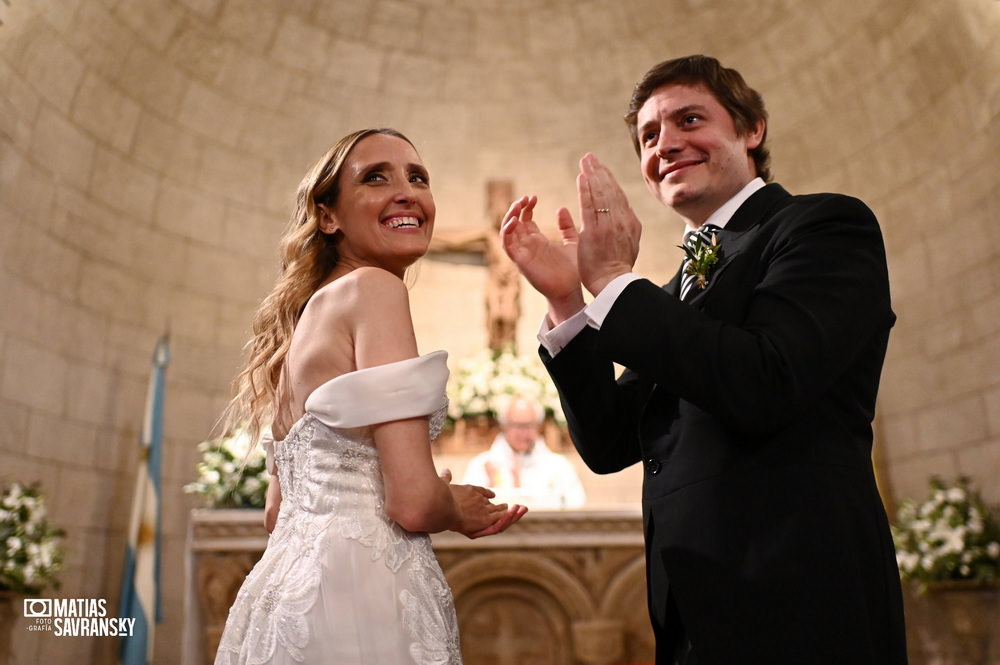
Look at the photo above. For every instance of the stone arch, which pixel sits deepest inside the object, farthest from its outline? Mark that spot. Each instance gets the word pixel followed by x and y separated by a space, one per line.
pixel 624 593
pixel 620 592
pixel 512 623
pixel 566 590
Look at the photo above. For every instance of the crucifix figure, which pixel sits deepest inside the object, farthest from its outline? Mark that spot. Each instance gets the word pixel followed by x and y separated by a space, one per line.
pixel 503 282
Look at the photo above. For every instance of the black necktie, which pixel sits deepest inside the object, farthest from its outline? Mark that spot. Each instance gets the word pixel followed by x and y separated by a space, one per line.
pixel 695 239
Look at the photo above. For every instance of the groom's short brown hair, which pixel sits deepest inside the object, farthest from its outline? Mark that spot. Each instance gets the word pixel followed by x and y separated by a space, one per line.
pixel 744 104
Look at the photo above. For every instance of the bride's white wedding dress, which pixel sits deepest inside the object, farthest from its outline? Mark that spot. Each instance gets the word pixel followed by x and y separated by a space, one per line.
pixel 340 582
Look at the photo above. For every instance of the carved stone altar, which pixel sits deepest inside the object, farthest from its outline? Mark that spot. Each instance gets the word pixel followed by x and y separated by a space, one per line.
pixel 223 545
pixel 558 588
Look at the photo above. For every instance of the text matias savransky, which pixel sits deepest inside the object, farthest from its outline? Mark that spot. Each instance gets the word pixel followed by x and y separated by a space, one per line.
pixel 76 617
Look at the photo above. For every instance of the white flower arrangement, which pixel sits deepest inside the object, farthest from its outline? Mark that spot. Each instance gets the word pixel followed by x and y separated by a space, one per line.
pixel 31 550
pixel 480 382
pixel 232 472
pixel 953 535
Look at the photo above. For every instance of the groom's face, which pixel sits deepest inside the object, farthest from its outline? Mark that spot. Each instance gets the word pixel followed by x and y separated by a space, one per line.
pixel 691 155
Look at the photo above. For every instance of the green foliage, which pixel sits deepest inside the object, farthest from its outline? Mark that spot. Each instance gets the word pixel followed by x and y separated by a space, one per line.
pixel 31 551
pixel 232 473
pixel 480 383
pixel 701 259
pixel 953 535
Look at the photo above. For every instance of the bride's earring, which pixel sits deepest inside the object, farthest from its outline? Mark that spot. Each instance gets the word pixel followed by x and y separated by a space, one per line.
pixel 328 223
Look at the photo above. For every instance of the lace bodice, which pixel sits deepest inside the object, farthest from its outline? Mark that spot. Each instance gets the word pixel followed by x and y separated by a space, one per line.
pixel 357 400
pixel 319 466
pixel 332 491
pixel 329 457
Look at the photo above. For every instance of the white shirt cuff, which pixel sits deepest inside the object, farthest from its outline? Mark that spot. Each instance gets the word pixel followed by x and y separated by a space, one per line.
pixel 555 339
pixel 598 310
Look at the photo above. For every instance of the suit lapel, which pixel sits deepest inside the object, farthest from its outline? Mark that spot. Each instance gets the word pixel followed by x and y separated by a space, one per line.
pixel 739 233
pixel 757 208
pixel 673 287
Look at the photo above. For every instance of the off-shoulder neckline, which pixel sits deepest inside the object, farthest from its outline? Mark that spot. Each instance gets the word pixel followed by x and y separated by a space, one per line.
pixel 352 375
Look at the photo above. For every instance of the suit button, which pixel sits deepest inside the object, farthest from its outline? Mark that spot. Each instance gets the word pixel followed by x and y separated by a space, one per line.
pixel 653 466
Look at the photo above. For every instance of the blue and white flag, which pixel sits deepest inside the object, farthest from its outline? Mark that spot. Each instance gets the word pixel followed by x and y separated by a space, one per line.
pixel 140 597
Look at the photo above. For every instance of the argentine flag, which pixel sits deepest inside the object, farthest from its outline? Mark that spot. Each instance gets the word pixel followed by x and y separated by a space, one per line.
pixel 140 596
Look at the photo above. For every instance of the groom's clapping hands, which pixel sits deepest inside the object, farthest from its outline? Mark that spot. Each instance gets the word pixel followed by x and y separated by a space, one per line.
pixel 605 246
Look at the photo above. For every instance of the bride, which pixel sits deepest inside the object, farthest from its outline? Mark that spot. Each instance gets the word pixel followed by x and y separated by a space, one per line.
pixel 349 576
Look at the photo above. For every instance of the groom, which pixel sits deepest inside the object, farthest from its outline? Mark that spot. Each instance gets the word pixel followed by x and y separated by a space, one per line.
pixel 749 387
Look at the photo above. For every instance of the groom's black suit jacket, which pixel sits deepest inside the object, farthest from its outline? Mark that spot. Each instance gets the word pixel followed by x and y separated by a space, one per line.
pixel 750 407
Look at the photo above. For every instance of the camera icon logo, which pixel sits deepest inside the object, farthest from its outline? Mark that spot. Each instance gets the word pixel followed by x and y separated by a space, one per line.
pixel 37 608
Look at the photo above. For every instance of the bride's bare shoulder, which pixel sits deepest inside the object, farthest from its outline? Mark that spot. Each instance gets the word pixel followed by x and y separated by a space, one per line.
pixel 360 290
pixel 364 281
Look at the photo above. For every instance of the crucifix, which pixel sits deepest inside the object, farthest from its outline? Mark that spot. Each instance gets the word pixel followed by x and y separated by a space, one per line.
pixel 483 247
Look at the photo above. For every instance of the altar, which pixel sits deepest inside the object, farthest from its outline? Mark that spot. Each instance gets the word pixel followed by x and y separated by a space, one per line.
pixel 558 588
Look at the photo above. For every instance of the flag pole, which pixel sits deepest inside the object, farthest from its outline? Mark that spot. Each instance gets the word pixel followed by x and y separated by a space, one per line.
pixel 140 591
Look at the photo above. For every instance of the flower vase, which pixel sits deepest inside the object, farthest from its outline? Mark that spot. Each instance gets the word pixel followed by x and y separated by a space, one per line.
pixel 8 619
pixel 956 622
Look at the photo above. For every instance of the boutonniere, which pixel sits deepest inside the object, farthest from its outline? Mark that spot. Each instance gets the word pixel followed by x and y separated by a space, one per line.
pixel 701 258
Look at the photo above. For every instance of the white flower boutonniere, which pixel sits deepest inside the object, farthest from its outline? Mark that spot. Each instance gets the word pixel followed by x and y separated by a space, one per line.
pixel 702 257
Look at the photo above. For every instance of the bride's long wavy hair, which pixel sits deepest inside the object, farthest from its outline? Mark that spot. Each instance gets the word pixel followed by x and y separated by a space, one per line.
pixel 307 257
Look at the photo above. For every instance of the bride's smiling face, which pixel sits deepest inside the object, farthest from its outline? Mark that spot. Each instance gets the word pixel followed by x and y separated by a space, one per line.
pixel 384 214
